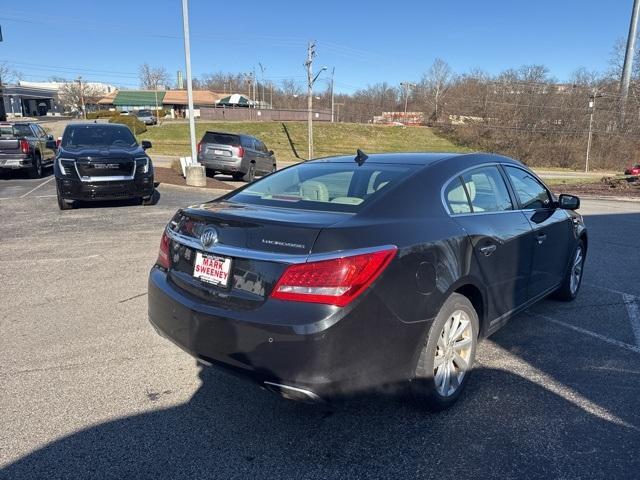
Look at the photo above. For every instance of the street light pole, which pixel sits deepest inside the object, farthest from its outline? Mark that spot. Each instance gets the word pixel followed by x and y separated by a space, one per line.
pixel 187 57
pixel 84 113
pixel 333 71
pixel 629 53
pixel 592 106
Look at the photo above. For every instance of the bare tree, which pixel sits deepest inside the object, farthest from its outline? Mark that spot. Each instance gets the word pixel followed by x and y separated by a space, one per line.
pixel 152 78
pixel 74 94
pixel 435 85
pixel 8 74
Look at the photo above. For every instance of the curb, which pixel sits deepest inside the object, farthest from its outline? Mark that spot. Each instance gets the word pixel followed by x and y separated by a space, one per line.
pixel 188 188
pixel 606 197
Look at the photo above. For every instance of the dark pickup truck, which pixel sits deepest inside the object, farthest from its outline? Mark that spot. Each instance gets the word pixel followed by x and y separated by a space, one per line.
pixel 102 161
pixel 25 145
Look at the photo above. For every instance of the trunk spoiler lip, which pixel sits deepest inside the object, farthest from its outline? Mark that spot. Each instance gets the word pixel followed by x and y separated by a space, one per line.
pixel 252 254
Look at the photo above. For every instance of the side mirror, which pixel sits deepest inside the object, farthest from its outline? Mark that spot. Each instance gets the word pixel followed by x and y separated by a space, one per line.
pixel 271 152
pixel 568 202
pixel 146 144
pixel 51 143
pixel 49 137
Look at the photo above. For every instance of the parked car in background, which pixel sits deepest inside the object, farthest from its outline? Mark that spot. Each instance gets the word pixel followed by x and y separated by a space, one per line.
pixel 633 170
pixel 239 155
pixel 102 161
pixel 146 116
pixel 25 146
pixel 334 277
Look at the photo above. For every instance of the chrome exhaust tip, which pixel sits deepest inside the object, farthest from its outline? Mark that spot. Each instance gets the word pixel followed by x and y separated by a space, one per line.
pixel 293 393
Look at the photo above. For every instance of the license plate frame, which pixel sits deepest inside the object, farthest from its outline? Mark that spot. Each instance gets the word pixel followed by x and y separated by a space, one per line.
pixel 210 268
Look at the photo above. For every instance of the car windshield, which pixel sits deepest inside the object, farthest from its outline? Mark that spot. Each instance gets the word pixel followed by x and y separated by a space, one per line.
pixel 15 131
pixel 337 187
pixel 221 139
pixel 98 136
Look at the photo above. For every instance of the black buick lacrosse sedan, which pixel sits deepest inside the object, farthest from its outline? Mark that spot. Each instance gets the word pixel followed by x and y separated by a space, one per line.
pixel 341 275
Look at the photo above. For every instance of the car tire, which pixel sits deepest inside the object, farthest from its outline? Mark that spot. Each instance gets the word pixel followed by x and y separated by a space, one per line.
pixel 62 204
pixel 250 176
pixel 150 200
pixel 447 355
pixel 237 176
pixel 36 169
pixel 572 280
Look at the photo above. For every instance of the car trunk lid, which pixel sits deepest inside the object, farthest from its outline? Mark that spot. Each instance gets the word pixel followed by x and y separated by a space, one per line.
pixel 259 241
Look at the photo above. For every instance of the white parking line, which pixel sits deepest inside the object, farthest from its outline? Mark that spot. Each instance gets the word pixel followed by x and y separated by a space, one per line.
pixel 634 315
pixel 34 189
pixel 611 341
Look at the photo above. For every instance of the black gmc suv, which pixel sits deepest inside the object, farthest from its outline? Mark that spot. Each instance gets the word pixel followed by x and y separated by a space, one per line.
pixel 99 161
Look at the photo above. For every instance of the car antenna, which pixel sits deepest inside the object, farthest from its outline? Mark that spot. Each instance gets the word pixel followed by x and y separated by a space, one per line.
pixel 361 157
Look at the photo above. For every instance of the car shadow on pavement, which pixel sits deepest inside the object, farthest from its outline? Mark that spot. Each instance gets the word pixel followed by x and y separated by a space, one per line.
pixel 230 430
pixel 22 174
pixel 116 203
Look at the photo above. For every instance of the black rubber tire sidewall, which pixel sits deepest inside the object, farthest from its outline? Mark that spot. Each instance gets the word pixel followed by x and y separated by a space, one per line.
pixel 36 168
pixel 423 388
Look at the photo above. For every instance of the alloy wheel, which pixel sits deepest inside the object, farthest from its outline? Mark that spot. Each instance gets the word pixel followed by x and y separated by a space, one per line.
pixel 576 270
pixel 453 353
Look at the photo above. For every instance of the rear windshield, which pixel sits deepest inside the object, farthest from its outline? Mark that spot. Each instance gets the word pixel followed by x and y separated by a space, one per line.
pixel 336 187
pixel 15 131
pixel 144 113
pixel 221 139
pixel 97 136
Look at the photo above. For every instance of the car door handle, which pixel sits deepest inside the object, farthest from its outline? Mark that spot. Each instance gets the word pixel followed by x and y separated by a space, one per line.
pixel 488 250
pixel 541 237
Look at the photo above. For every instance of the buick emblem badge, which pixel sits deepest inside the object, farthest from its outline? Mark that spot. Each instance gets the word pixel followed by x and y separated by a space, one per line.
pixel 209 237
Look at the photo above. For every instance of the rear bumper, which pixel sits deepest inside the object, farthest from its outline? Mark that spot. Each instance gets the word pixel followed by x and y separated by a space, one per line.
pixel 73 189
pixel 337 353
pixel 15 162
pixel 222 166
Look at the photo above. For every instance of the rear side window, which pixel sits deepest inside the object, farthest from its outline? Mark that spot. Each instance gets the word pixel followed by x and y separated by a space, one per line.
pixel 486 190
pixel 457 199
pixel 531 193
pixel 221 139
pixel 15 131
pixel 339 187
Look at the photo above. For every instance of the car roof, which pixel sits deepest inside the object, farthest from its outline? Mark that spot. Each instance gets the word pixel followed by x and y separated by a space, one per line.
pixel 93 124
pixel 402 158
pixel 422 158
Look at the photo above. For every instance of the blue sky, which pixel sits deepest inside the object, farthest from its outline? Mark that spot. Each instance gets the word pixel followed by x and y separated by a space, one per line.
pixel 367 42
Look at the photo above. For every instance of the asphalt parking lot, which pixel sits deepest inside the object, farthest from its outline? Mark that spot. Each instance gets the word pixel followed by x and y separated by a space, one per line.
pixel 90 391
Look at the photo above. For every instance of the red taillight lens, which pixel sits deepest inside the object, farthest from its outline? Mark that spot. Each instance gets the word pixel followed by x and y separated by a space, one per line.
pixel 164 258
pixel 24 146
pixel 199 146
pixel 335 282
pixel 58 142
pixel 240 152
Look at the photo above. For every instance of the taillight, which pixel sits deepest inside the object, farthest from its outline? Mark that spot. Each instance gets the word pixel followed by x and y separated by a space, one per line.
pixel 24 146
pixel 199 147
pixel 58 142
pixel 240 152
pixel 164 258
pixel 335 282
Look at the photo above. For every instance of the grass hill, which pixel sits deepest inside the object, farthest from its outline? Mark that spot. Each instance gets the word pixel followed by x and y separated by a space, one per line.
pixel 289 139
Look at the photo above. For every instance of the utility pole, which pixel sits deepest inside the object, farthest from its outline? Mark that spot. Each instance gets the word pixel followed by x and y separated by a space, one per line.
pixel 628 56
pixel 84 113
pixel 311 53
pixel 406 86
pixel 262 69
pixel 338 111
pixel 187 58
pixel 333 71
pixel 592 106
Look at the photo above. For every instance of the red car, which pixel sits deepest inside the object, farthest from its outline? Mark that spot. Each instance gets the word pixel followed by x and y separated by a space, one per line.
pixel 633 170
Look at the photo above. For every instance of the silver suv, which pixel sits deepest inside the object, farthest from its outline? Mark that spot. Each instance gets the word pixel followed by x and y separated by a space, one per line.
pixel 146 117
pixel 239 155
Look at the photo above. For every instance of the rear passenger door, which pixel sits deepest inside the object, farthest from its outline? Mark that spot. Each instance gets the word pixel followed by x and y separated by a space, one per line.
pixel 551 230
pixel 480 202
